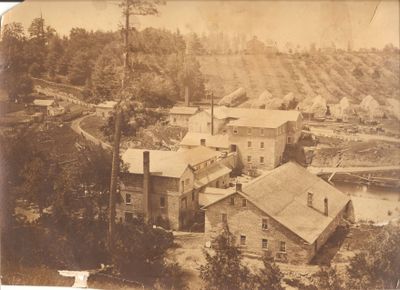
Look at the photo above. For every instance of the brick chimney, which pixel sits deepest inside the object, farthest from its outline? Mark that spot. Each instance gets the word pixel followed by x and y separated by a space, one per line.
pixel 326 208
pixel 238 186
pixel 310 199
pixel 146 185
pixel 203 142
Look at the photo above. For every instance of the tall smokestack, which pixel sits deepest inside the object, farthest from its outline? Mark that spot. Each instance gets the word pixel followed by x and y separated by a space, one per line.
pixel 326 209
pixel 212 114
pixel 146 186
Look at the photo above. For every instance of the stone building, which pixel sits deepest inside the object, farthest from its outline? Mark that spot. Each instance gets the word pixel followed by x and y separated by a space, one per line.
pixel 179 116
pixel 217 142
pixel 288 212
pixel 259 136
pixel 164 186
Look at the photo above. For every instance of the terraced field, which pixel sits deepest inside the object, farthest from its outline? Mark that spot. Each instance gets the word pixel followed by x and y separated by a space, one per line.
pixel 333 76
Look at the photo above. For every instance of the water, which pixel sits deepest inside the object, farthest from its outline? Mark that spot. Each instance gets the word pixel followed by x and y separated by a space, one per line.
pixel 369 191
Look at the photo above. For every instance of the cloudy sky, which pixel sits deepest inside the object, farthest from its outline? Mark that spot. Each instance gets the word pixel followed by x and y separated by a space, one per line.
pixel 364 23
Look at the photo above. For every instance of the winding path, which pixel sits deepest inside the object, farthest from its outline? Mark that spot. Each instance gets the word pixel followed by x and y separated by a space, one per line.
pixel 76 126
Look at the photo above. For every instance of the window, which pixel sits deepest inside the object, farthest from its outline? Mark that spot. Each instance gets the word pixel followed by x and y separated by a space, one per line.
pixel 264 224
pixel 262 132
pixel 128 216
pixel 261 159
pixel 242 240
pixel 289 140
pixel 174 120
pixel 232 200
pixel 249 144
pixel 282 247
pixel 217 183
pixel 182 185
pixel 244 202
pixel 162 201
pixel 262 145
pixel 193 196
pixel 187 181
pixel 264 244
pixel 184 202
pixel 128 198
pixel 249 159
pixel 235 130
pixel 224 217
pixel 248 131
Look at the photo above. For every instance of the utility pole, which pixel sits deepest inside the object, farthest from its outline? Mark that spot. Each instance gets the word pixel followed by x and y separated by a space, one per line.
pixel 212 113
pixel 115 169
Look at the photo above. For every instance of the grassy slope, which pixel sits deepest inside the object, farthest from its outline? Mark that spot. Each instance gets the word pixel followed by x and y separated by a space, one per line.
pixel 330 75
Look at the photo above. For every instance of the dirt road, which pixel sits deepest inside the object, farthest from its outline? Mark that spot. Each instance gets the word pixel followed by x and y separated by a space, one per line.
pixel 75 125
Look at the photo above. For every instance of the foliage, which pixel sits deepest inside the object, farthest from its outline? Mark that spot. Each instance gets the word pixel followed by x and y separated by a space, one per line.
pixel 328 278
pixel 135 116
pixel 14 77
pixel 140 249
pixel 224 270
pixel 378 265
pixel 269 277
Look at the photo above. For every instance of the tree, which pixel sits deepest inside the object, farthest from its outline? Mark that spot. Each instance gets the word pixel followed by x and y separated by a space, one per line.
pixel 194 79
pixel 14 77
pixel 54 55
pixel 79 70
pixel 130 7
pixel 38 180
pixel 269 277
pixel 140 249
pixel 223 269
pixel 378 265
pixel 328 278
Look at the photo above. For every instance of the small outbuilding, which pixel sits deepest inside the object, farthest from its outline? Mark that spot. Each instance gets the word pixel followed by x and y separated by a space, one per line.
pixel 105 109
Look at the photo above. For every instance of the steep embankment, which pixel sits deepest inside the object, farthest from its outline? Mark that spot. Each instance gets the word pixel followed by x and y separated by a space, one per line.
pixel 333 76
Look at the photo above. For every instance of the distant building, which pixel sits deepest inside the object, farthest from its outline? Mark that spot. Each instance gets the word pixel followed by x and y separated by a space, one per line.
pixel 288 212
pixel 217 142
pixel 48 107
pixel 105 109
pixel 164 186
pixel 259 136
pixel 179 116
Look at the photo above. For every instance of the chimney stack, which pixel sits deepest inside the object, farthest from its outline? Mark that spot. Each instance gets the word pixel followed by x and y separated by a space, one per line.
pixel 238 186
pixel 326 209
pixel 146 186
pixel 187 99
pixel 310 199
pixel 203 142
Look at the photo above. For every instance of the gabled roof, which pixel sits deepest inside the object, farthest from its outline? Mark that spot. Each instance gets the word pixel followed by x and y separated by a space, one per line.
pixel 213 194
pixel 210 174
pixel 193 139
pixel 107 105
pixel 183 110
pixel 167 163
pixel 43 103
pixel 282 194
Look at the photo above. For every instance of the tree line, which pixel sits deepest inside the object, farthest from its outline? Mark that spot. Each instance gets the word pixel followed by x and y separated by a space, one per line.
pixel 161 62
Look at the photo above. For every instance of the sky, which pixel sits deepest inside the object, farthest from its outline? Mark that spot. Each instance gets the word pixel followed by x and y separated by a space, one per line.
pixel 361 23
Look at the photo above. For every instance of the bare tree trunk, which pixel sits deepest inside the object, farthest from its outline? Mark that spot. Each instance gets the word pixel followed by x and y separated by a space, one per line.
pixel 115 169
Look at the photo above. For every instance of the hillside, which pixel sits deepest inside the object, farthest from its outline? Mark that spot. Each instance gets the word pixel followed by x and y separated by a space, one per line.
pixel 332 76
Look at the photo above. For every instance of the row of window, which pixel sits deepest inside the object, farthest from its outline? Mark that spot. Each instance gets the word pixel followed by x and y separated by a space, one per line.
pixel 244 201
pixel 249 131
pixel 128 200
pixel 250 144
pixel 261 159
pixel 264 243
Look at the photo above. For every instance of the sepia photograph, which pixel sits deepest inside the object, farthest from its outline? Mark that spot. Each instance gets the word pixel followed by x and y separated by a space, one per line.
pixel 205 145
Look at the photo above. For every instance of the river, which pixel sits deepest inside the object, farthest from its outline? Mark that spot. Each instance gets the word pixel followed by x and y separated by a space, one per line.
pixel 369 191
